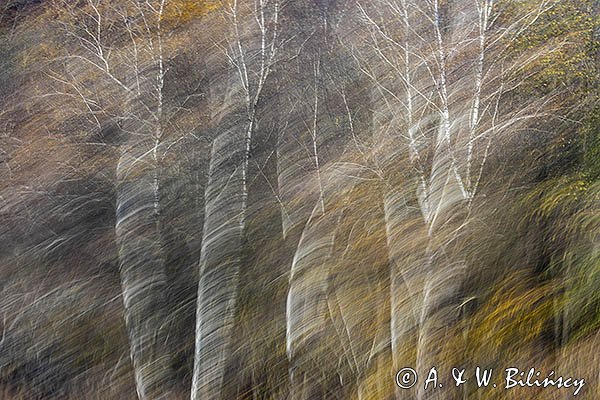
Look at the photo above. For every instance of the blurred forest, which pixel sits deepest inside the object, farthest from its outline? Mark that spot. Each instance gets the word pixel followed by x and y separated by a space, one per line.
pixel 294 199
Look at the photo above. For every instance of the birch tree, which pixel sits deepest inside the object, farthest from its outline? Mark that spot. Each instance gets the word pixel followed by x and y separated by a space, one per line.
pixel 135 73
pixel 446 66
pixel 250 48
pixel 138 228
pixel 309 225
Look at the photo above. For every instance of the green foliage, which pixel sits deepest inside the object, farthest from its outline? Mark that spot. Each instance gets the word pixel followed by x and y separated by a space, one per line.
pixel 591 147
pixel 564 33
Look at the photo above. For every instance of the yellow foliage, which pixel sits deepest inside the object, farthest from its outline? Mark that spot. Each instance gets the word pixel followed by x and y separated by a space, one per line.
pixel 560 37
pixel 557 195
pixel 515 316
pixel 183 11
pixel 564 193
